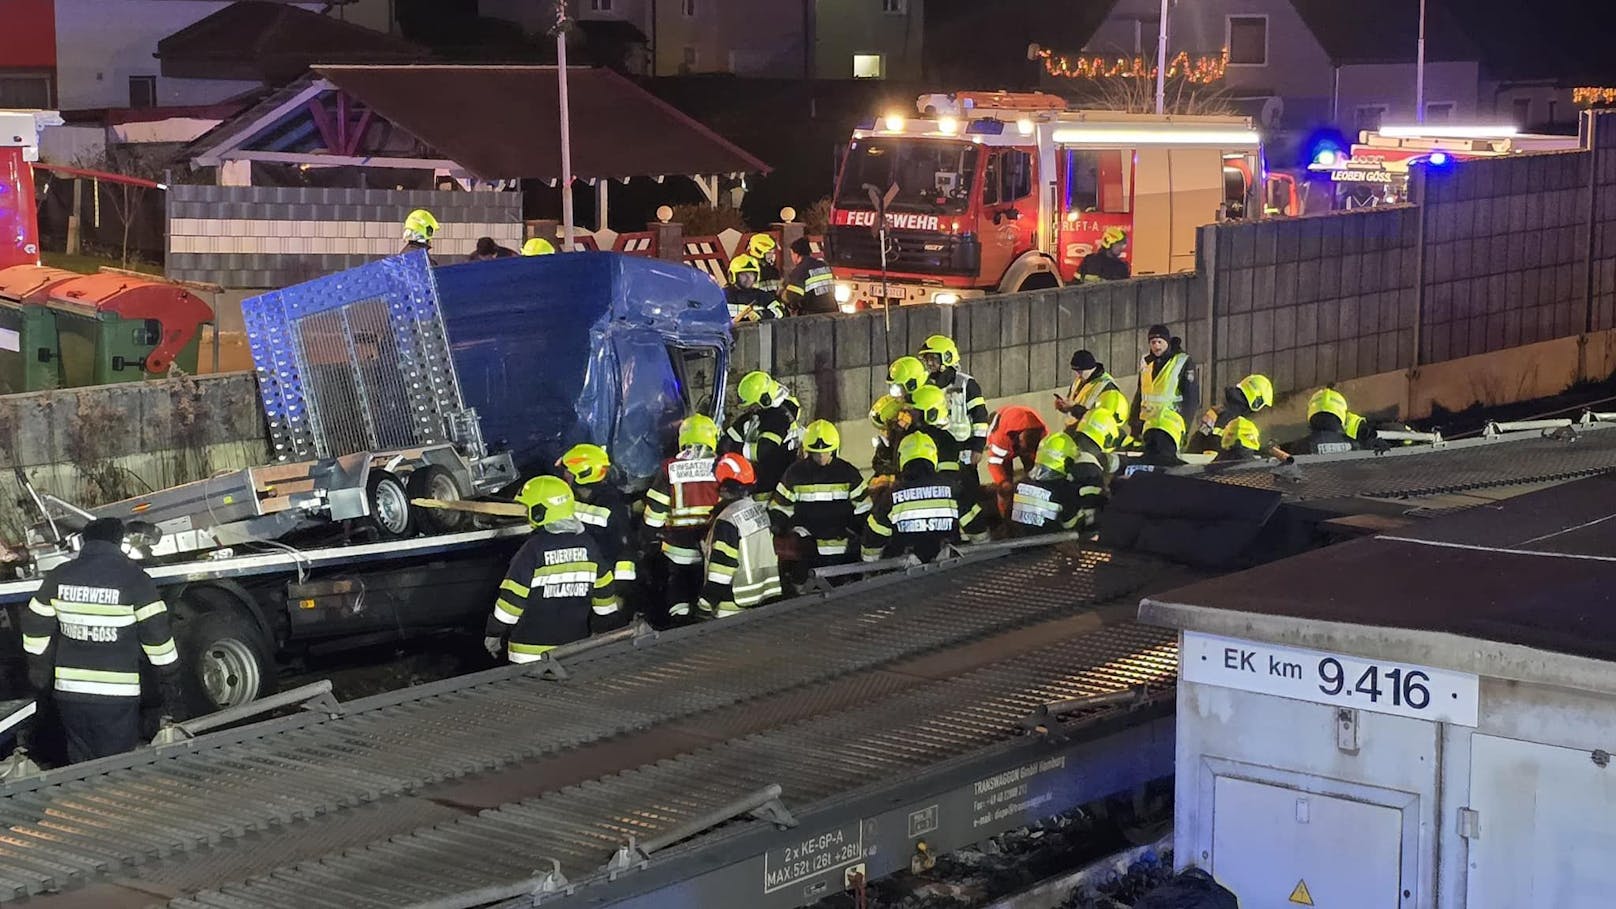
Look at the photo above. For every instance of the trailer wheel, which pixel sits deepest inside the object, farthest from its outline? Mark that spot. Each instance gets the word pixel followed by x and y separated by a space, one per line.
pixel 227 662
pixel 1038 281
pixel 436 482
pixel 390 512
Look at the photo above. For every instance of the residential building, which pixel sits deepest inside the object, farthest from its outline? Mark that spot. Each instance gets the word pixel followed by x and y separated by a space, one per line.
pixel 28 55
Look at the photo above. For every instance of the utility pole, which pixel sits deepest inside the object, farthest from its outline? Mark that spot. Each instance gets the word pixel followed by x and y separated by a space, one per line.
pixel 566 127
pixel 1161 60
pixel 1419 71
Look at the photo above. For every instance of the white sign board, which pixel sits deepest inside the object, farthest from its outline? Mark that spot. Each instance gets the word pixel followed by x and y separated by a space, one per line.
pixel 1380 686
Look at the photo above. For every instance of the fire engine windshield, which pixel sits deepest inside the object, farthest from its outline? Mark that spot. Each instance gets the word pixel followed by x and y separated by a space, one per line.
pixel 931 176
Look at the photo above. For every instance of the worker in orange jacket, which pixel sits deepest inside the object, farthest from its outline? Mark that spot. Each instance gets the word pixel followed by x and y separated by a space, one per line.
pixel 1013 435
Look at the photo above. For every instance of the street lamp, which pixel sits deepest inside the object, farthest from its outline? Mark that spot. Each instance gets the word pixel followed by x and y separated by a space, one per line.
pixel 1161 60
pixel 1419 71
pixel 566 127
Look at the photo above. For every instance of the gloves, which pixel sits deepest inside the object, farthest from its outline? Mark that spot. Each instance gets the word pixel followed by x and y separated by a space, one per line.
pixel 495 645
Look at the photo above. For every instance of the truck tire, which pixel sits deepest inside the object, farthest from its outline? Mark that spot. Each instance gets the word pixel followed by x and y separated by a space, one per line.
pixel 1038 281
pixel 224 657
pixel 435 482
pixel 391 516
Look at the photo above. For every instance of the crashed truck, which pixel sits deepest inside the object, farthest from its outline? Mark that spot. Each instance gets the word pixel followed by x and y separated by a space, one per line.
pixel 393 382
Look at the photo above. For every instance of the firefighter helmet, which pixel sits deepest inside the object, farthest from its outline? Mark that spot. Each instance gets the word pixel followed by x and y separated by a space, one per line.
pixel 757 389
pixel 743 264
pixel 917 446
pixel 1330 401
pixel 884 411
pixel 760 245
pixel 538 246
pixel 732 468
pixel 907 374
pixel 419 226
pixel 1241 432
pixel 586 463
pixel 1101 428
pixel 932 404
pixel 1056 452
pixel 1258 391
pixel 821 437
pixel 942 347
pixel 547 499
pixel 1170 422
pixel 1112 237
pixel 698 430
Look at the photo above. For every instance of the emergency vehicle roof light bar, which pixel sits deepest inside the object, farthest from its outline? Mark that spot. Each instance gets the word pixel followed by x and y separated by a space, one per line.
pixel 1089 135
pixel 1450 131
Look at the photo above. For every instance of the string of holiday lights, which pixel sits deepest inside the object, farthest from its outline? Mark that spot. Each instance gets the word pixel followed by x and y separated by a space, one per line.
pixel 1202 70
pixel 1593 96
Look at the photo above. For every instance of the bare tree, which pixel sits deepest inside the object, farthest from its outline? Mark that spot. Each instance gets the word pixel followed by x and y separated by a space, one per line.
pixel 126 199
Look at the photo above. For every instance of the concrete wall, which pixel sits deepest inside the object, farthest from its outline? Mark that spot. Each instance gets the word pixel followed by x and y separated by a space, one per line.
pixel 265 237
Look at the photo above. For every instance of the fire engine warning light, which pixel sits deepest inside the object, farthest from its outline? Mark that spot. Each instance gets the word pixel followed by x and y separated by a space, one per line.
pixel 894 122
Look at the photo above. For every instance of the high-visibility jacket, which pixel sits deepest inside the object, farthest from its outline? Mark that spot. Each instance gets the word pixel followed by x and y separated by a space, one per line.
pixel 752 304
pixel 768 438
pixel 1046 504
pixel 680 503
pixel 1165 382
pixel 967 409
pixel 923 512
pixel 1007 423
pixel 1083 395
pixel 556 588
pixel 91 621
pixel 742 568
pixel 812 286
pixel 826 503
pixel 606 517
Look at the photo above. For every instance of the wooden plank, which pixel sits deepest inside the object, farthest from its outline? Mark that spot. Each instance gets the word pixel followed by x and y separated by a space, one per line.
pixel 499 509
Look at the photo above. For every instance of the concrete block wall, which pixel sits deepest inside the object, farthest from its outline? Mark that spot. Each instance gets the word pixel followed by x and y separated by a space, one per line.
pixel 268 237
pixel 1506 252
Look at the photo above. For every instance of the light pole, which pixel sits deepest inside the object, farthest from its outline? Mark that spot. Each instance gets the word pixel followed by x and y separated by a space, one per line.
pixel 1161 60
pixel 566 127
pixel 1419 71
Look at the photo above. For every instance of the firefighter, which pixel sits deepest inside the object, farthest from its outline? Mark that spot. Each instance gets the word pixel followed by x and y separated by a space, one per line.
pixel 1327 419
pixel 1240 440
pixel 930 408
pixel 487 249
pixel 967 409
pixel 742 568
pixel 1064 490
pixel 1089 381
pixel 765 252
pixel 904 376
pixel 84 633
pixel 1160 443
pixel 1168 378
pixel 558 589
pixel 1099 434
pixel 678 507
pixel 747 300
pixel 810 288
pixel 924 511
pixel 765 432
pixel 1114 402
pixel 538 246
pixel 890 420
pixel 1250 395
pixel 419 228
pixel 1106 263
pixel 603 510
pixel 823 500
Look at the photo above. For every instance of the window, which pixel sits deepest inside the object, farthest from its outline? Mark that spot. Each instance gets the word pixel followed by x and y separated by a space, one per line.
pixel 25 91
pixel 1248 40
pixel 600 6
pixel 1008 177
pixel 688 7
pixel 1523 112
pixel 1368 116
pixel 690 58
pixel 1097 180
pixel 1441 112
pixel 869 66
pixel 895 7
pixel 1552 105
pixel 142 91
pixel 930 177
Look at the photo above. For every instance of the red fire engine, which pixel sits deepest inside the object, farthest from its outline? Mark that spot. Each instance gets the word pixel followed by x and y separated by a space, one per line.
pixel 1000 192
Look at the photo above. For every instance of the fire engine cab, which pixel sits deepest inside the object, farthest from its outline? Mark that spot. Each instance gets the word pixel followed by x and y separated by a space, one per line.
pixel 1000 192
pixel 1376 170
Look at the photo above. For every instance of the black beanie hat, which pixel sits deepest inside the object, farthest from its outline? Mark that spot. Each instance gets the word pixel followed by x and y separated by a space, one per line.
pixel 1160 331
pixel 1083 359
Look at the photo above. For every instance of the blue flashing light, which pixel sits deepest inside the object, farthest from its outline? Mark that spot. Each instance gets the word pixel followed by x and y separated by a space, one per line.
pixel 1325 157
pixel 1439 159
pixel 985 127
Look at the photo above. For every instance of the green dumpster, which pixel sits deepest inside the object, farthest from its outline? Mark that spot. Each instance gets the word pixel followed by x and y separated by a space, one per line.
pixel 30 358
pixel 120 328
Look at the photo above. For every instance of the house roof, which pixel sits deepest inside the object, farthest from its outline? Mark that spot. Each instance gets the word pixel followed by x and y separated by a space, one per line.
pixel 500 122
pixel 272 42
pixel 1535 572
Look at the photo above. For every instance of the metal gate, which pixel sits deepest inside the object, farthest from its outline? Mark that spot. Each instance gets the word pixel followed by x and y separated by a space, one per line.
pixel 354 379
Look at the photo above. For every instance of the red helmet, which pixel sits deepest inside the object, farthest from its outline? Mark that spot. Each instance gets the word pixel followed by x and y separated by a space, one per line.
pixel 734 467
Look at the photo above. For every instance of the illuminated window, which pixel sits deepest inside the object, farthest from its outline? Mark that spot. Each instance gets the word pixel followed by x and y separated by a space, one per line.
pixel 1248 40
pixel 869 66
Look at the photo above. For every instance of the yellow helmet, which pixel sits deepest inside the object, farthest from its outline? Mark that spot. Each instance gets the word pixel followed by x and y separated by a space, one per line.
pixel 547 499
pixel 917 446
pixel 1258 390
pixel 757 389
pixel 586 463
pixel 907 373
pixel 1170 422
pixel 884 411
pixel 1330 401
pixel 1241 432
pixel 698 429
pixel 943 348
pixel 932 404
pixel 1056 452
pixel 743 264
pixel 821 437
pixel 419 226
pixel 1116 402
pixel 1112 236
pixel 538 246
pixel 1101 427
pixel 760 245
